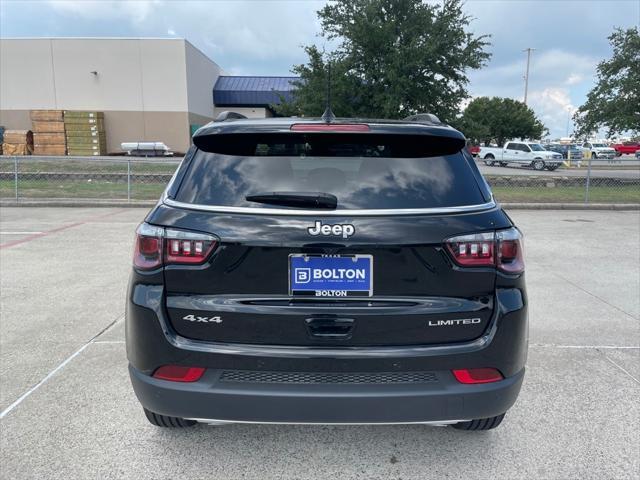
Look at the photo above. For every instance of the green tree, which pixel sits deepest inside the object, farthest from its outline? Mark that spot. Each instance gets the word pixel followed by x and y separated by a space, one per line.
pixel 499 119
pixel 393 58
pixel 614 103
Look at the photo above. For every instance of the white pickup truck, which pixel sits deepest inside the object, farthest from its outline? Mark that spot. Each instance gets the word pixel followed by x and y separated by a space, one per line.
pixel 525 153
pixel 599 150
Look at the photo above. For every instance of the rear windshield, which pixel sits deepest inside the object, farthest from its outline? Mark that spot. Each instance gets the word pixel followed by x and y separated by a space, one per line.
pixel 361 176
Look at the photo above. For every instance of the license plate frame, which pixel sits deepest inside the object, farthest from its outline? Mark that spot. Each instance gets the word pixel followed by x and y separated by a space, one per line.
pixel 342 287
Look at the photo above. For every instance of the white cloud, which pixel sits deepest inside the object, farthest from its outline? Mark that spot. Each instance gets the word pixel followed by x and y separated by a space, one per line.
pixel 261 30
pixel 573 79
pixel 556 77
pixel 135 11
pixel 554 107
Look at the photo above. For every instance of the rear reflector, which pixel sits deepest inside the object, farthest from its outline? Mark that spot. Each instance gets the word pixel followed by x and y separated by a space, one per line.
pixel 329 127
pixel 477 375
pixel 175 373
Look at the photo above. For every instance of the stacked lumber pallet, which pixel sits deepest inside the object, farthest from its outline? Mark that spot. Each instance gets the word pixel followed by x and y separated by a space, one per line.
pixel 48 132
pixel 17 142
pixel 85 133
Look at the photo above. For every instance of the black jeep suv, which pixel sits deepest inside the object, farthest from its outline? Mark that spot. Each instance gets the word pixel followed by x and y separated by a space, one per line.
pixel 333 272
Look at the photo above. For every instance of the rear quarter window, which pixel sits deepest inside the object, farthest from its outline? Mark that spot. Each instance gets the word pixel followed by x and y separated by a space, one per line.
pixel 360 176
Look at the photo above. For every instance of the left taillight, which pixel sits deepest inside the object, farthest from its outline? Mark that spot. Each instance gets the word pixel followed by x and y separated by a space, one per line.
pixel 157 246
pixel 188 247
pixel 147 253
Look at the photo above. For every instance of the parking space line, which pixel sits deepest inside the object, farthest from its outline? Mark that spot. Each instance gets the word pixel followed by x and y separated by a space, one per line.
pixel 22 397
pixel 56 230
pixel 604 347
pixel 43 381
pixel 20 233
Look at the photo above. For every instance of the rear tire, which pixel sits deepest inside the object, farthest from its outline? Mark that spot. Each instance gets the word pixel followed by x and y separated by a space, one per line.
pixel 480 423
pixel 167 422
pixel 503 164
pixel 594 155
pixel 488 160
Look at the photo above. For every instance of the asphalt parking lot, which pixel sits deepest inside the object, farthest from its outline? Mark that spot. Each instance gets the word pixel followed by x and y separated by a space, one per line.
pixel 68 410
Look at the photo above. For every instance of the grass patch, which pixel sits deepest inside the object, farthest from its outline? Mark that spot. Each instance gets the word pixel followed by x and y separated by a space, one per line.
pixel 88 166
pixel 104 190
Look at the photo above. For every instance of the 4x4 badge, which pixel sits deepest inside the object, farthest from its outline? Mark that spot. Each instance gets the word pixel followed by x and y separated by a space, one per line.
pixel 194 318
pixel 345 230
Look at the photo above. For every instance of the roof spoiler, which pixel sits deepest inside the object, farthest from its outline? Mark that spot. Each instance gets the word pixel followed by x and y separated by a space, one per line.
pixel 229 115
pixel 424 118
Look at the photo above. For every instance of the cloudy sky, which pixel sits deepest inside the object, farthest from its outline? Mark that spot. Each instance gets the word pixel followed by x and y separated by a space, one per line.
pixel 264 37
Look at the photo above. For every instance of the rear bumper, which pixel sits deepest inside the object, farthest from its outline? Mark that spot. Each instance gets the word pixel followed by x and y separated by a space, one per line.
pixel 440 400
pixel 151 342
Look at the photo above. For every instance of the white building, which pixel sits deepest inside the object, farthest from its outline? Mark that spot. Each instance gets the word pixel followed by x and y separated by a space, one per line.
pixel 149 89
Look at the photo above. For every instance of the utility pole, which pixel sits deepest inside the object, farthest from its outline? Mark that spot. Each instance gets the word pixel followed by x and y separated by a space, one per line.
pixel 526 76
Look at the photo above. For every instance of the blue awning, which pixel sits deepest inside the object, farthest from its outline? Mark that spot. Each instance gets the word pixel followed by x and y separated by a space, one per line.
pixel 236 91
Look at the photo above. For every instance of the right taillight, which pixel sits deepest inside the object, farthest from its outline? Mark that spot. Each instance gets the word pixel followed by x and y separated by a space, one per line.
pixel 157 246
pixel 509 247
pixel 502 249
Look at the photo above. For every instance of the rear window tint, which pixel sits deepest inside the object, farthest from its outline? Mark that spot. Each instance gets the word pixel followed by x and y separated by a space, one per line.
pixel 361 176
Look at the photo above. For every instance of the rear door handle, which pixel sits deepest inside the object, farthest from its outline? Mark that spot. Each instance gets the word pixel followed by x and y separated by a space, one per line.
pixel 330 327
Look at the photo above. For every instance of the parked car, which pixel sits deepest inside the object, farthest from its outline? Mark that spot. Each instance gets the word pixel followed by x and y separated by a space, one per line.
pixel 312 271
pixel 566 150
pixel 626 148
pixel 598 150
pixel 523 153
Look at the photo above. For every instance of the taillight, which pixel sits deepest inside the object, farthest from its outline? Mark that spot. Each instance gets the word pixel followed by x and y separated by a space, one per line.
pixel 188 247
pixel 157 246
pixel 477 375
pixel 177 373
pixel 510 257
pixel 147 253
pixel 502 249
pixel 473 250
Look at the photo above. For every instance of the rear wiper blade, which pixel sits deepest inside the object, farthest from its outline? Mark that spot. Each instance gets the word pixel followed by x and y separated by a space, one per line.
pixel 296 199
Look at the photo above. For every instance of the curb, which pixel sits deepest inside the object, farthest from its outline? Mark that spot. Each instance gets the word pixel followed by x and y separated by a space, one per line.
pixel 571 206
pixel 78 203
pixel 149 204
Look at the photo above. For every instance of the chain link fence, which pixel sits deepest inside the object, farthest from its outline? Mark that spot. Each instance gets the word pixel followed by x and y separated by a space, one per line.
pixel 83 178
pixel 136 179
